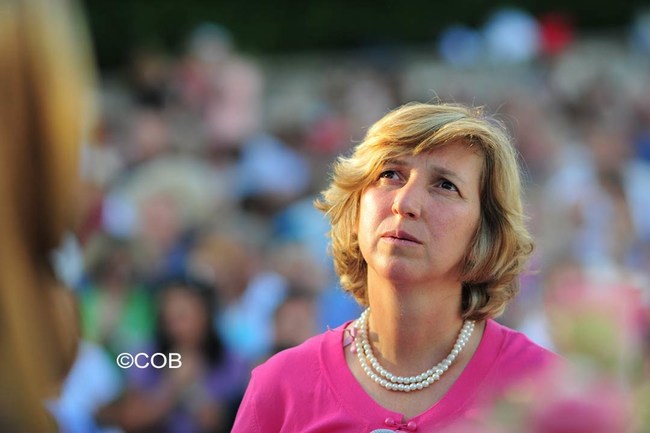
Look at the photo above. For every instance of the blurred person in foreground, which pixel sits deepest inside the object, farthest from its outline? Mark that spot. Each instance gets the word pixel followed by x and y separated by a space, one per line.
pixel 202 394
pixel 599 321
pixel 428 233
pixel 45 78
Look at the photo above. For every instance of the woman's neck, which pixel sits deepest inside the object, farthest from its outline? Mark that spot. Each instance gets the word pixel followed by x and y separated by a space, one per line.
pixel 413 328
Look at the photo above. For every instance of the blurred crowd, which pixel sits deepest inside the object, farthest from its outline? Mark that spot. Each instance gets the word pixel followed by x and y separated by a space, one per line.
pixel 198 235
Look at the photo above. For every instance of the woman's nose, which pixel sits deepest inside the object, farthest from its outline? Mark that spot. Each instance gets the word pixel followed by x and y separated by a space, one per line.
pixel 408 201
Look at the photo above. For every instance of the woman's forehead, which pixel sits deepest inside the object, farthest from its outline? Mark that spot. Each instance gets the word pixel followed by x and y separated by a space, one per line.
pixel 400 151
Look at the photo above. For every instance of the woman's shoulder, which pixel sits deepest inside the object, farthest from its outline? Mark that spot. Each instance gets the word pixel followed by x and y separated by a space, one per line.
pixel 289 377
pixel 299 359
pixel 281 389
pixel 516 346
pixel 515 356
pixel 505 360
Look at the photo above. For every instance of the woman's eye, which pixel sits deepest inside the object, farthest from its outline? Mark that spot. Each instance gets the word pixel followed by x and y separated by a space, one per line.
pixel 388 174
pixel 445 184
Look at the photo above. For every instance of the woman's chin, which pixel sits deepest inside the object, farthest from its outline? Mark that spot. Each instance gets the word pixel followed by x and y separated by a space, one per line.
pixel 407 273
pixel 402 273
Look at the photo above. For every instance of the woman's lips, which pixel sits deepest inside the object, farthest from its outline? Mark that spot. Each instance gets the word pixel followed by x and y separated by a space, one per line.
pixel 401 237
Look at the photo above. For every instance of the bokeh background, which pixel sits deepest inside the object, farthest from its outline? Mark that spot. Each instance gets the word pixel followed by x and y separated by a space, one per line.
pixel 218 123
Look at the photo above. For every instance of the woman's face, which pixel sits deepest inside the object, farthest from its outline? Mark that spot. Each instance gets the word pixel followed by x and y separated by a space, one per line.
pixel 418 218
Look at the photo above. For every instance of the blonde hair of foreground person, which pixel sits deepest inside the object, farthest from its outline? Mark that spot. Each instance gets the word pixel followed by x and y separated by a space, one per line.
pixel 45 76
pixel 501 244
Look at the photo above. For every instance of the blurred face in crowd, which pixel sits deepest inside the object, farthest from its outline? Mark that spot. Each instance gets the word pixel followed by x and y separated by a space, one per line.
pixel 184 318
pixel 295 322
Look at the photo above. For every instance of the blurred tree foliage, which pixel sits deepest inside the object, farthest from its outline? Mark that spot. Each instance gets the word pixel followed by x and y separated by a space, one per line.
pixel 259 27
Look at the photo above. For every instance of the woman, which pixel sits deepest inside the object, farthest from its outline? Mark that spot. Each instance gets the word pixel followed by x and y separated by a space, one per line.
pixel 428 233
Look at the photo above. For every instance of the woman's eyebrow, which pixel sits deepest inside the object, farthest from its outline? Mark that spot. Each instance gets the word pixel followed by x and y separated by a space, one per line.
pixel 395 161
pixel 445 172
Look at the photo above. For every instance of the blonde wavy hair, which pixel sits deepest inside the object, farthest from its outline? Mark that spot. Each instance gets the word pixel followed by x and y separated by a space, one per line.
pixel 501 245
pixel 46 83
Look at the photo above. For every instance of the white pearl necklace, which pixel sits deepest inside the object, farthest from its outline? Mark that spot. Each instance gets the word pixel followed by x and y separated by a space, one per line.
pixel 377 373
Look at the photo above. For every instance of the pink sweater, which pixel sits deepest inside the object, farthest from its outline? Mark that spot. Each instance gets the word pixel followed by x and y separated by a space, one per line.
pixel 310 389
